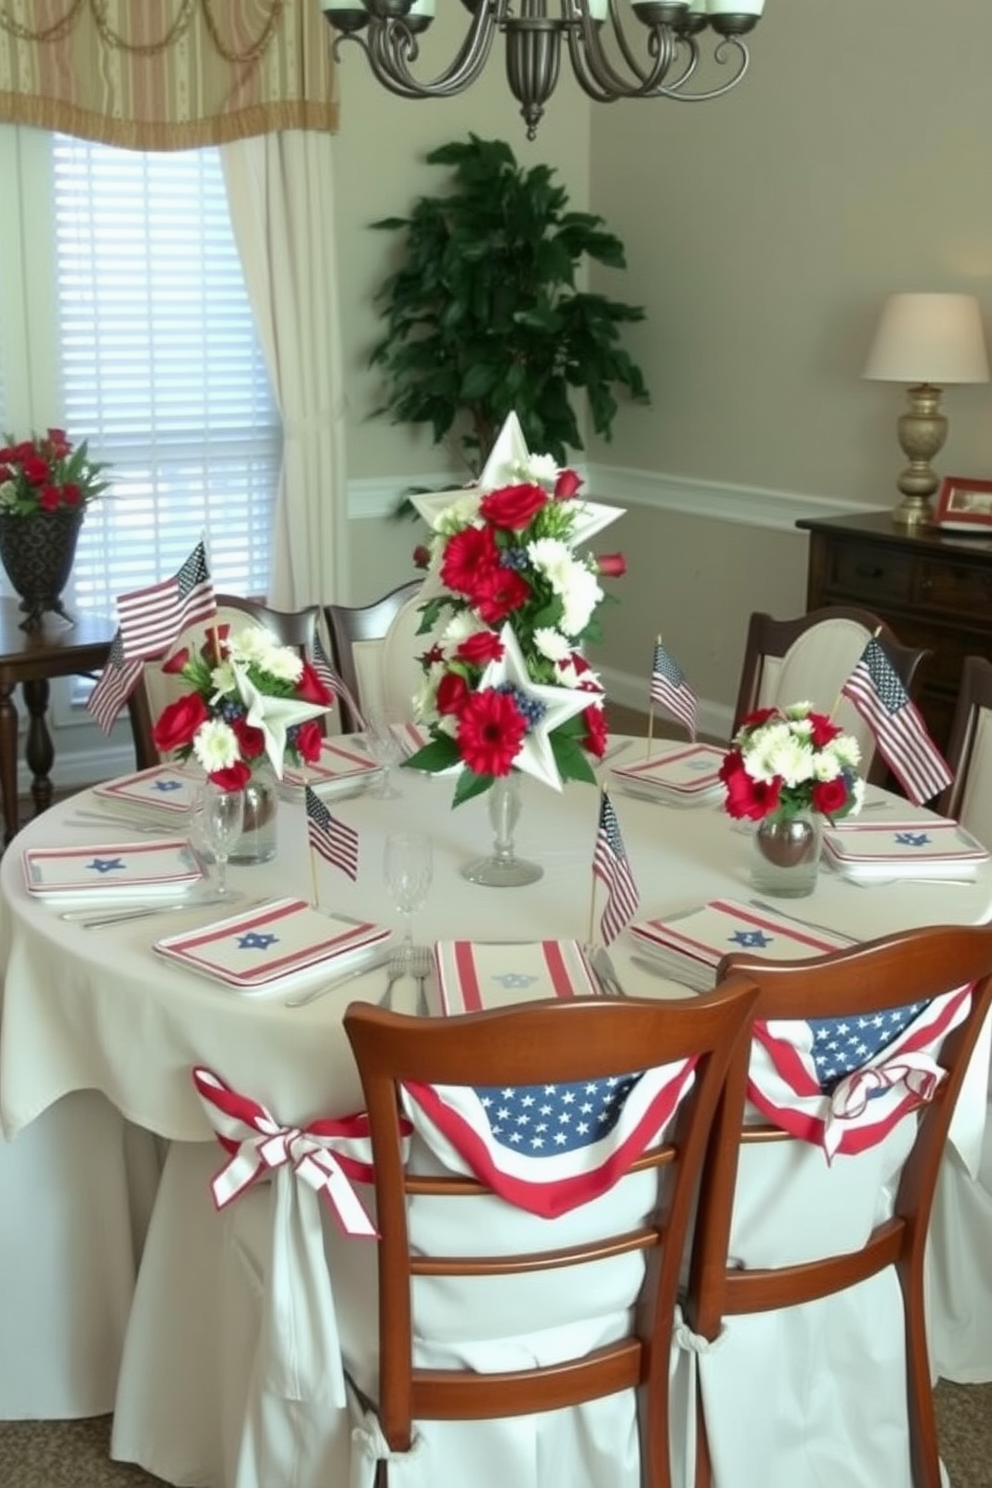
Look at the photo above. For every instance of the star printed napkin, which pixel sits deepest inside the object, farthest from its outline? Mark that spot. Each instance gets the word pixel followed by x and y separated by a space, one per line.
pixel 264 946
pixel 117 871
pixel 690 944
pixel 934 848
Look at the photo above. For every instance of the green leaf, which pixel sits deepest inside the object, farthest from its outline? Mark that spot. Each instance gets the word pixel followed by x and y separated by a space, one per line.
pixel 571 759
pixel 438 754
pixel 469 785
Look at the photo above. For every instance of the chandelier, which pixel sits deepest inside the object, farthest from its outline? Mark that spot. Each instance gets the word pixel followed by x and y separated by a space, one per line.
pixel 606 65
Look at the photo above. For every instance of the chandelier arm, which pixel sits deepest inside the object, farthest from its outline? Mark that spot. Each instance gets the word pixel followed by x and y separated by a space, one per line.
pixel 599 78
pixel 390 46
pixel 727 45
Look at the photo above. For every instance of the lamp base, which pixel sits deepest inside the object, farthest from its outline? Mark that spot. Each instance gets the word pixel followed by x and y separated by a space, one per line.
pixel 913 511
pixel 922 430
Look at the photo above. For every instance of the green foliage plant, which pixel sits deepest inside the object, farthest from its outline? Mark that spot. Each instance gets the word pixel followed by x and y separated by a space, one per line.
pixel 483 316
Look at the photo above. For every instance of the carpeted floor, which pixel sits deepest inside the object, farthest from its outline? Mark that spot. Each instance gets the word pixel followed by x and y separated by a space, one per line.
pixel 73 1454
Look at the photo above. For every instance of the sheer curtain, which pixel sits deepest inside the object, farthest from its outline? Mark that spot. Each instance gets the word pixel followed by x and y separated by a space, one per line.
pixel 280 189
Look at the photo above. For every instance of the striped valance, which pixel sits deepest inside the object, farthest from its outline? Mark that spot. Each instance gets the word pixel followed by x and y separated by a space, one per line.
pixel 166 74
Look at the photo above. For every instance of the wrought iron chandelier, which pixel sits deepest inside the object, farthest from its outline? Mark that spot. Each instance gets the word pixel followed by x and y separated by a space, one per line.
pixel 606 65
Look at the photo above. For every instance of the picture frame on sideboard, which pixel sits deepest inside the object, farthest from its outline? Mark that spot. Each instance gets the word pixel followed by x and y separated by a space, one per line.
pixel 964 505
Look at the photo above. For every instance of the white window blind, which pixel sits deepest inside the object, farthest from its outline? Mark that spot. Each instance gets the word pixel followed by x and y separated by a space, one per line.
pixel 161 370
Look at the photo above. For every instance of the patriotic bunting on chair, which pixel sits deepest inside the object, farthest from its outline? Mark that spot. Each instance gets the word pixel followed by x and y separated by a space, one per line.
pixel 843 1083
pixel 671 691
pixel 549 1148
pixel 152 618
pixel 610 864
pixel 875 689
pixel 333 680
pixel 114 686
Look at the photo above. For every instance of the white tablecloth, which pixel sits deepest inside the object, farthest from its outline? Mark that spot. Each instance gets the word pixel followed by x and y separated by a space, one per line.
pixel 98 1010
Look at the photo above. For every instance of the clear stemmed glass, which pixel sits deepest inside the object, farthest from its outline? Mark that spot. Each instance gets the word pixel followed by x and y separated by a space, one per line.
pixel 409 869
pixel 383 741
pixel 222 819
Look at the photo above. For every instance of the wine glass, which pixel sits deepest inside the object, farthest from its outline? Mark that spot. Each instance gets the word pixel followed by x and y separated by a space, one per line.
pixel 409 869
pixel 222 822
pixel 384 745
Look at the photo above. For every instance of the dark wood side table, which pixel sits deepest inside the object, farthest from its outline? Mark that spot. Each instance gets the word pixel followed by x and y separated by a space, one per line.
pixel 933 587
pixel 31 660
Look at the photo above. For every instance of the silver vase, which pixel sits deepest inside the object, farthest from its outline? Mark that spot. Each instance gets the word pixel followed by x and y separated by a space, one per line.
pixel 786 854
pixel 259 838
pixel 502 869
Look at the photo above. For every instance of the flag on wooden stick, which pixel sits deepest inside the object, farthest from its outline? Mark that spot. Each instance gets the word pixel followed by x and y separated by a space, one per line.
pixel 332 838
pixel 611 865
pixel 152 618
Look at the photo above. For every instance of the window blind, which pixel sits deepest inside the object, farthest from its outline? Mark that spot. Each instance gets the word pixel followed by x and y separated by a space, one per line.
pixel 161 370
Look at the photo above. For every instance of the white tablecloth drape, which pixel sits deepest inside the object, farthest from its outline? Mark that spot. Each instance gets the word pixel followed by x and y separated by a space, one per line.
pixel 96 1010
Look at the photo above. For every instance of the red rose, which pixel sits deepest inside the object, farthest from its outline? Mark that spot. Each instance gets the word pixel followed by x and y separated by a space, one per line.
pixel 594 719
pixel 309 738
pixel 71 494
pixel 59 444
pixel 421 556
pixel 823 730
pixel 179 721
pixel 311 689
pixel 467 554
pixel 829 796
pixel 566 485
pixel 234 778
pixel 452 693
pixel 174 664
pixel 758 717
pixel 49 498
pixel 491 729
pixel 35 468
pixel 611 565
pixel 746 797
pixel 251 740
pixel 498 592
pixel 513 507
pixel 481 648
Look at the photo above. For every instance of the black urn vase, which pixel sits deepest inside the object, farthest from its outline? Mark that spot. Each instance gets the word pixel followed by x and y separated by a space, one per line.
pixel 37 552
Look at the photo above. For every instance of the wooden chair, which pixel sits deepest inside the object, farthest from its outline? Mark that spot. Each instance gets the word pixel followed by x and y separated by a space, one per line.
pixel 810 658
pixel 727 1284
pixel 969 796
pixel 536 1044
pixel 356 635
pixel 155 689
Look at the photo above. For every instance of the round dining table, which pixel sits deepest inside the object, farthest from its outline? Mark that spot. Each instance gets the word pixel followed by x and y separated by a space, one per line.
pixel 99 1010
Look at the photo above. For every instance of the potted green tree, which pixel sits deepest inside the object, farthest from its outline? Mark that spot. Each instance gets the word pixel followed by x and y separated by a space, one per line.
pixel 483 316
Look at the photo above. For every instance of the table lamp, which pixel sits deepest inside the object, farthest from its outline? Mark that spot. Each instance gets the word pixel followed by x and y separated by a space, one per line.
pixel 926 340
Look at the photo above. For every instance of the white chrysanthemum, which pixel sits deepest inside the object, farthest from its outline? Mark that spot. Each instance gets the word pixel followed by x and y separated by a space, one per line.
pixel 580 597
pixel 224 682
pixel 425 699
pixel 847 749
pixel 541 470
pixel 793 760
pixel 255 646
pixel 552 557
pixel 799 711
pixel 826 765
pixel 463 512
pixel 857 796
pixel 215 746
pixel 8 493
pixel 551 643
pixel 461 625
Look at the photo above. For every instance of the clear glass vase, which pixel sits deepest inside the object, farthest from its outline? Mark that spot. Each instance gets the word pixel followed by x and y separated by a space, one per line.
pixel 258 840
pixel 502 869
pixel 785 854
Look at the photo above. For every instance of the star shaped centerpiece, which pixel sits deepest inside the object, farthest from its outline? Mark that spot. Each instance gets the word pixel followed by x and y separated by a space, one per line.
pixel 508 603
pixel 274 716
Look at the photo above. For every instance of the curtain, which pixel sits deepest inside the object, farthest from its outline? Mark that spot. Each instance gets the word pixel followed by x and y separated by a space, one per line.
pixel 280 189
pixel 172 75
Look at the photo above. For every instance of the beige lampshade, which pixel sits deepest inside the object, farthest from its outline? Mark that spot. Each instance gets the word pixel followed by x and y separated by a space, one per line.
pixel 929 338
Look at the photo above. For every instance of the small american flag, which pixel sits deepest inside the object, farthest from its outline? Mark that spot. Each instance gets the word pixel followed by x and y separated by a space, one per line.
pixel 844 1082
pixel 114 686
pixel 876 691
pixel 549 1148
pixel 152 618
pixel 333 839
pixel 333 680
pixel 611 865
pixel 671 691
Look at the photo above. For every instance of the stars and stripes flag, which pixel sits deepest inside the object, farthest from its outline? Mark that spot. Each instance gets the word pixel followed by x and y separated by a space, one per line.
pixel 844 1082
pixel 114 686
pixel 332 838
pixel 550 1148
pixel 152 618
pixel 875 689
pixel 611 865
pixel 333 680
pixel 670 690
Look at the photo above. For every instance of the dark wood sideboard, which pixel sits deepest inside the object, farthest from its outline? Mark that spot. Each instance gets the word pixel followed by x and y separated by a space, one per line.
pixel 933 587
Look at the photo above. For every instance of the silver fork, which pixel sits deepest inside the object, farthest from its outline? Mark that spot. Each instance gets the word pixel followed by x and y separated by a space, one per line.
pixel 396 968
pixel 421 966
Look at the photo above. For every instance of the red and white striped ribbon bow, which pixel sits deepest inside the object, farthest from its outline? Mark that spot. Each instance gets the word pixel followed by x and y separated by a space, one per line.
pixel 911 1079
pixel 327 1155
